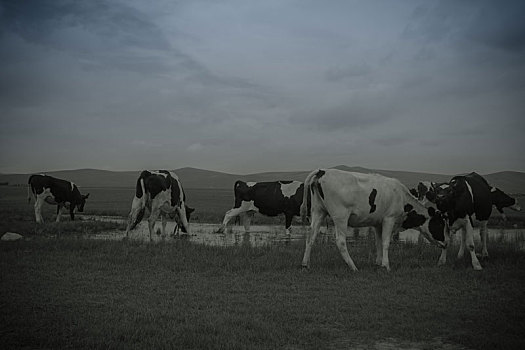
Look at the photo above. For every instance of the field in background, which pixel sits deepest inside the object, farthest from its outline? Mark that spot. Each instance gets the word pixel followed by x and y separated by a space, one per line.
pixel 210 205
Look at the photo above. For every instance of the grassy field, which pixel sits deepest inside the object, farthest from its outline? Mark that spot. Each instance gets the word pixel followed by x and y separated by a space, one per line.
pixel 68 292
pixel 73 293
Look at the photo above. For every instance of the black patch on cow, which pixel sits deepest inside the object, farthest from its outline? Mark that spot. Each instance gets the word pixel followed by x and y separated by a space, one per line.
pixel 371 200
pixel 408 207
pixel 436 226
pixel 286 182
pixel 413 220
pixel 413 192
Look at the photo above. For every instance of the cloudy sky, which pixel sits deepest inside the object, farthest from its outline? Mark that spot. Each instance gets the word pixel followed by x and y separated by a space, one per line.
pixel 248 86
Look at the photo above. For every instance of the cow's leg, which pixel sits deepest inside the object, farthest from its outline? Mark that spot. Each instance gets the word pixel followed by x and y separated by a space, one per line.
pixel 136 213
pixel 461 251
pixel 469 242
pixel 288 222
pixel 39 202
pixel 317 218
pixel 341 223
pixel 59 212
pixel 483 232
pixel 386 234
pixel 164 221
pixel 379 244
pixel 230 214
pixel 151 221
pixel 246 219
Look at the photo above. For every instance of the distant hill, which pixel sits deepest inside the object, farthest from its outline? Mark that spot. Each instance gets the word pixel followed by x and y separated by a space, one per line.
pixel 508 181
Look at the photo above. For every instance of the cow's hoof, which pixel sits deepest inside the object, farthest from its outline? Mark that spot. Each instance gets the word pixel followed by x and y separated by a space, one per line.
pixel 477 268
pixel 305 268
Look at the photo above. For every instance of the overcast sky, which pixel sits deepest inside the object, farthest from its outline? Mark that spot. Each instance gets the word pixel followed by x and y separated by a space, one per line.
pixel 249 86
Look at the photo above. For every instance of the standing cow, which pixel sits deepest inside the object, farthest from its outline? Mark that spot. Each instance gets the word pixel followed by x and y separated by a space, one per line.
pixel 467 196
pixel 161 192
pixel 362 200
pixel 57 192
pixel 267 198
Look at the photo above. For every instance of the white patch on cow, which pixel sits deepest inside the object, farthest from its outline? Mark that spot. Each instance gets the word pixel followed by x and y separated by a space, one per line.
pixel 290 189
pixel 250 184
pixel 444 186
pixel 154 172
pixel 470 190
pixel 72 186
pixel 493 189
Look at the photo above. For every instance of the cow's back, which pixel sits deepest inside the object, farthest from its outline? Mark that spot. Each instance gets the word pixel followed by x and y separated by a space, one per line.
pixel 366 195
pixel 482 200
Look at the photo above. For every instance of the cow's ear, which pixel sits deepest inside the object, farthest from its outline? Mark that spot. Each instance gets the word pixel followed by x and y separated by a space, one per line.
pixel 86 196
pixel 431 211
pixel 190 210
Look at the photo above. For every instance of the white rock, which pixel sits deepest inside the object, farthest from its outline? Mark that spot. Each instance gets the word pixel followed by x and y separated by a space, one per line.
pixel 11 236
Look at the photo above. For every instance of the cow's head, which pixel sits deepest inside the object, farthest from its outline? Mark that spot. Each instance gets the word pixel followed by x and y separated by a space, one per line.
pixel 432 223
pixel 502 200
pixel 426 190
pixel 82 202
pixel 445 194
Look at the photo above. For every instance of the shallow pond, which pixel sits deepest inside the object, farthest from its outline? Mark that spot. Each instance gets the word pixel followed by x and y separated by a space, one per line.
pixel 260 235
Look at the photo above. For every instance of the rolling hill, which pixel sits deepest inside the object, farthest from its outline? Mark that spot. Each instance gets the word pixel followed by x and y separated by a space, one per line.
pixel 508 181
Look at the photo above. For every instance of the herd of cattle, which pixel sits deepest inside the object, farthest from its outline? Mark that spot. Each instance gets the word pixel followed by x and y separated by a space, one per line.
pixel 436 210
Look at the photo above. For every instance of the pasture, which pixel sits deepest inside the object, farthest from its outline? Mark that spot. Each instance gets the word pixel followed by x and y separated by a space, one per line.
pixel 71 292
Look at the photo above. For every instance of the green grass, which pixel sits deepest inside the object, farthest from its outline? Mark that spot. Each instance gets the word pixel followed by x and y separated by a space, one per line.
pixel 75 293
pixel 84 294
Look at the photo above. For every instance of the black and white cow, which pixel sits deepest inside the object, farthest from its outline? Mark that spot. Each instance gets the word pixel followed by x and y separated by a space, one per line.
pixel 161 192
pixel 51 190
pixel 268 198
pixel 467 196
pixel 366 200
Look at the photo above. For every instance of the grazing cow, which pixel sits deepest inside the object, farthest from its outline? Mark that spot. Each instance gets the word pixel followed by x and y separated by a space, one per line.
pixel 362 200
pixel 463 197
pixel 161 192
pixel 57 192
pixel 268 198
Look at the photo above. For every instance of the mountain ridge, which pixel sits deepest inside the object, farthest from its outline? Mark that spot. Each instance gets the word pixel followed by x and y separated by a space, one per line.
pixel 508 181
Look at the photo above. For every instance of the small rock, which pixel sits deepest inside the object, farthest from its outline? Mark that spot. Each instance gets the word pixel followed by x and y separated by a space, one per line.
pixel 11 236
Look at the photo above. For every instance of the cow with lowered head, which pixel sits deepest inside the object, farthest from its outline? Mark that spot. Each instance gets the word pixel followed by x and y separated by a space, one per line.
pixel 62 193
pixel 161 192
pixel 464 198
pixel 268 198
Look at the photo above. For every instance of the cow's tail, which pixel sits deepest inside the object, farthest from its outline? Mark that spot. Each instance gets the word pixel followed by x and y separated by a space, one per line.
pixel 29 190
pixel 309 184
pixel 138 208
